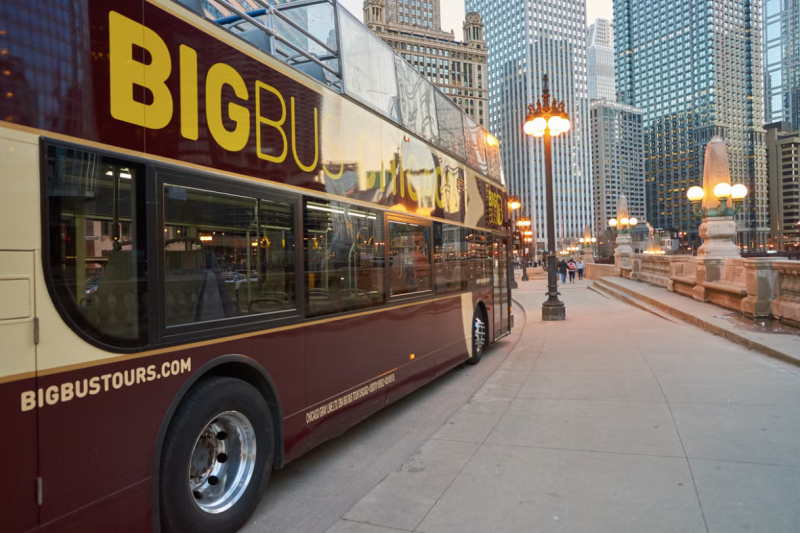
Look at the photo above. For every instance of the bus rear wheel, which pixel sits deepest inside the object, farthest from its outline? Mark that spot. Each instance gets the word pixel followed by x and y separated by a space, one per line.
pixel 216 458
pixel 478 336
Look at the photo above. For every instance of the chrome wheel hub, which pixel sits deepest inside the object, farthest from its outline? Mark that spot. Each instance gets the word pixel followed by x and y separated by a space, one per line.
pixel 222 462
pixel 480 334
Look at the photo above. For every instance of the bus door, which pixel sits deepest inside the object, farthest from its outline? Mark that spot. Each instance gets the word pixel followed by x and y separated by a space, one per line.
pixel 18 363
pixel 500 284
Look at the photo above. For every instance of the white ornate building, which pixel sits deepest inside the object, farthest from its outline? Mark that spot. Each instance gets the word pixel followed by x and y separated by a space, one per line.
pixel 413 29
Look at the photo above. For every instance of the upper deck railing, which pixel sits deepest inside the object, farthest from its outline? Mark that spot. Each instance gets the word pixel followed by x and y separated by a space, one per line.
pixel 324 41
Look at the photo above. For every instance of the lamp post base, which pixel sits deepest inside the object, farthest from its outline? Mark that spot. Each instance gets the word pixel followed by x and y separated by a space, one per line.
pixel 525 276
pixel 553 311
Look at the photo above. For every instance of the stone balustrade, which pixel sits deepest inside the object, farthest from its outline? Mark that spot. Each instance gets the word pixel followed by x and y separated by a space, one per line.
pixel 597 271
pixel 653 269
pixel 759 287
pixel 786 305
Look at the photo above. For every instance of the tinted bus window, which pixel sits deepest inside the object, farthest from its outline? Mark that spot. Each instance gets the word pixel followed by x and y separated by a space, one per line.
pixel 409 258
pixel 453 265
pixel 225 256
pixel 96 244
pixel 344 257
pixel 480 254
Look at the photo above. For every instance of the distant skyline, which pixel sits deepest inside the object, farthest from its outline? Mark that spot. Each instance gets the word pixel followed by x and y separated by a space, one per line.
pixel 453 12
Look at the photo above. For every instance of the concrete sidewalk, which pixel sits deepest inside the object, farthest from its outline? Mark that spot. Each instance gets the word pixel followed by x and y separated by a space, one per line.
pixel 613 421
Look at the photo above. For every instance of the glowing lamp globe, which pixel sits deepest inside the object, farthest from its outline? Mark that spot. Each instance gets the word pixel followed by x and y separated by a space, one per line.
pixel 633 221
pixel 555 125
pixel 624 221
pixel 535 127
pixel 722 190
pixel 566 125
pixel 695 194
pixel 738 191
pixel 612 222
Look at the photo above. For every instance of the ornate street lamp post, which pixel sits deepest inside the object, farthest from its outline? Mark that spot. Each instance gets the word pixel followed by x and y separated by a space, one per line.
pixel 548 120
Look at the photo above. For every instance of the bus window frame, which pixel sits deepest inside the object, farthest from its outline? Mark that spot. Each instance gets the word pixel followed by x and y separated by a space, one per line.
pixel 67 314
pixel 392 216
pixel 195 179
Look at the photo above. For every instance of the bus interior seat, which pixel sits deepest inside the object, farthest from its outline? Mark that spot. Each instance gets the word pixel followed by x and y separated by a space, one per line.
pixel 312 69
pixel 114 309
pixel 258 38
pixel 195 288
pixel 320 302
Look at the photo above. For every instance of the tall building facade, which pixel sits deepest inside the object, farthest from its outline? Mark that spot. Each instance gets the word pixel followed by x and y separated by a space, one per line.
pixel 458 68
pixel 415 12
pixel 617 160
pixel 783 155
pixel 523 45
pixel 695 71
pixel 782 62
pixel 600 60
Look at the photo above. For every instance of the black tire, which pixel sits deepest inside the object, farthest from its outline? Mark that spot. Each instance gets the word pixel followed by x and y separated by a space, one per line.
pixel 478 346
pixel 203 404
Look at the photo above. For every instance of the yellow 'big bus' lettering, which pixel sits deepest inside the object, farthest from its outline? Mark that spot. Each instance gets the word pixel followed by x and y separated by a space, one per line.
pixel 219 75
pixel 312 166
pixel 277 124
pixel 189 122
pixel 126 73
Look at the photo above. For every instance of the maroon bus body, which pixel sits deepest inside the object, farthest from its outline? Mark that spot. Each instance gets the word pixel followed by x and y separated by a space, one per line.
pixel 97 456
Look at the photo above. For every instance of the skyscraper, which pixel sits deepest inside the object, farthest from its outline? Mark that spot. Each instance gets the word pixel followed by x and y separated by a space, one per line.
pixel 617 160
pixel 523 45
pixel 783 153
pixel 600 60
pixel 457 68
pixel 782 62
pixel 695 70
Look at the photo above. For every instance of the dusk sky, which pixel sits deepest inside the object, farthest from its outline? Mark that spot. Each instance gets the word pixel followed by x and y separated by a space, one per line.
pixel 453 12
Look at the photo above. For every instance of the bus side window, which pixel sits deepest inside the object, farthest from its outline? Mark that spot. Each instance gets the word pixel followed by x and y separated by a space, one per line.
pixel 225 256
pixel 97 252
pixel 344 257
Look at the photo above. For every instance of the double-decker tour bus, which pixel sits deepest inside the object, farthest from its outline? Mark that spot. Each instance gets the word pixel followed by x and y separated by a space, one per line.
pixel 230 231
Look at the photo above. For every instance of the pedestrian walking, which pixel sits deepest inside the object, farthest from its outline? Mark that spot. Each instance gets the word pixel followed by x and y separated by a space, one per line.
pixel 571 270
pixel 581 268
pixel 562 270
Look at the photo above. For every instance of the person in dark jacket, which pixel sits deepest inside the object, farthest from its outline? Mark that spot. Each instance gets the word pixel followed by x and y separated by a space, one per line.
pixel 562 270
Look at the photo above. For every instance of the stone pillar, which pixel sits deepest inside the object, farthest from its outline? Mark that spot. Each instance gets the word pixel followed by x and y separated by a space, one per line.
pixel 718 234
pixel 623 252
pixel 760 278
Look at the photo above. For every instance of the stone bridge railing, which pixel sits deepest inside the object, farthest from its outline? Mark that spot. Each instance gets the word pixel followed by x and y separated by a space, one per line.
pixel 786 305
pixel 759 287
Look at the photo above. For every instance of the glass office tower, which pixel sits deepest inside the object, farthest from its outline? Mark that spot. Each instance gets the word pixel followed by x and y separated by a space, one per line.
pixel 600 60
pixel 782 62
pixel 525 41
pixel 694 68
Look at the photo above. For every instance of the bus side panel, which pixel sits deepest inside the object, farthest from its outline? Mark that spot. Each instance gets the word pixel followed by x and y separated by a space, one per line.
pixel 126 511
pixel 20 471
pixel 343 354
pixel 99 425
pixel 356 366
